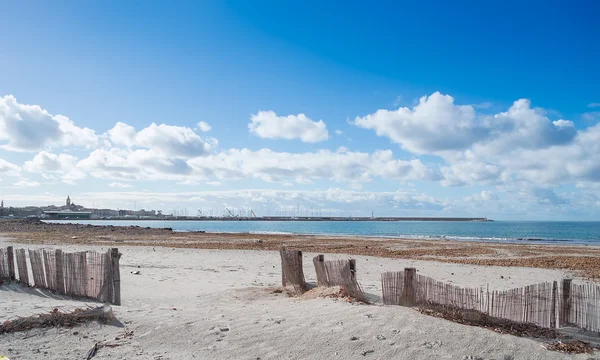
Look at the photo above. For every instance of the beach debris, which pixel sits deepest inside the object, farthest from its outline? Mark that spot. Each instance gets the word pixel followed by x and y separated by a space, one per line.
pixel 571 347
pixel 259 241
pixel 136 272
pixel 480 319
pixel 354 338
pixel 365 353
pixel 380 337
pixel 56 318
pixel 99 345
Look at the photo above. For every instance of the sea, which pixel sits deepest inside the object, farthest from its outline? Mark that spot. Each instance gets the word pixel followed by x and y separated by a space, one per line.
pixel 554 232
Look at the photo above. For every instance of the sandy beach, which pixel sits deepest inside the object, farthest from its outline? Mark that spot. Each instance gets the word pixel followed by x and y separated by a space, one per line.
pixel 194 303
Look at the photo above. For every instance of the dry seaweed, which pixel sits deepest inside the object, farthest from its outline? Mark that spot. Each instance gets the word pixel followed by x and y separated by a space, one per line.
pixel 480 319
pixel 56 318
pixel 571 347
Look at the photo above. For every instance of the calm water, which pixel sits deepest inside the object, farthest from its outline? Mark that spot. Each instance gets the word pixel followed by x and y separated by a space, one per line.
pixel 497 231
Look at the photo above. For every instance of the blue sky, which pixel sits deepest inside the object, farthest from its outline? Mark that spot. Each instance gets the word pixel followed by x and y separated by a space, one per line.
pixel 425 108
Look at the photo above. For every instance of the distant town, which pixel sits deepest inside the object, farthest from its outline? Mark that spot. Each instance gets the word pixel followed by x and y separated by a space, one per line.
pixel 71 211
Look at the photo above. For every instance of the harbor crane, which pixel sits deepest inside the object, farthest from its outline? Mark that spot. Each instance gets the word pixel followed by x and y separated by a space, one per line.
pixel 231 214
pixel 253 214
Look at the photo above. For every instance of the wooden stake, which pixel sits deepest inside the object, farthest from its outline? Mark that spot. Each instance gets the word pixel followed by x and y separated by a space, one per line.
pixel 565 309
pixel 116 275
pixel 11 264
pixel 553 308
pixel 60 277
pixel 409 293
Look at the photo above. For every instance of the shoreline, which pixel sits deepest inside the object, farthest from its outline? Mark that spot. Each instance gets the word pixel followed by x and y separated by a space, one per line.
pixel 458 238
pixel 582 260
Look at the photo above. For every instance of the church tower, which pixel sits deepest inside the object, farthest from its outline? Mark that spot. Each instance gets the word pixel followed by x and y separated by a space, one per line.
pixel 68 201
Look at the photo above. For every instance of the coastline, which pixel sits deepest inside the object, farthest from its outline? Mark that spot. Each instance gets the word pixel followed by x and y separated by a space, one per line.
pixel 582 260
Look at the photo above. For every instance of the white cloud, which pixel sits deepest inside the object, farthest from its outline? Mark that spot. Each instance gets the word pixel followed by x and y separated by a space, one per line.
pixel 267 125
pixel 271 166
pixel 434 125
pixel 437 126
pixel 204 127
pixel 126 164
pixel 31 128
pixel 213 183
pixel 594 105
pixel 26 183
pixel 63 165
pixel 168 140
pixel 122 134
pixel 119 185
pixel 339 132
pixel 7 168
pixel 47 162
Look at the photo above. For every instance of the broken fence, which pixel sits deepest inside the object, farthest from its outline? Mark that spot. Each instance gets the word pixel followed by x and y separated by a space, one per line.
pixel 85 274
pixel 546 304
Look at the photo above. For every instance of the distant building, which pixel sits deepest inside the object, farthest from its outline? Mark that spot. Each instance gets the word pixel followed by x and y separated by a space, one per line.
pixel 67 214
pixel 68 201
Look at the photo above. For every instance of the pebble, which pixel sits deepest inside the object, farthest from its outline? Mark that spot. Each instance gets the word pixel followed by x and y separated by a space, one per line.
pixel 354 338
pixel 380 337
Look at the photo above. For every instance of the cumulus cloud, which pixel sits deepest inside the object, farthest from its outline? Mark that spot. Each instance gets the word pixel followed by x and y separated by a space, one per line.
pixel 31 128
pixel 169 140
pixel 126 164
pixel 7 168
pixel 267 125
pixel 204 127
pixel 438 126
pixel 48 162
pixel 63 165
pixel 435 124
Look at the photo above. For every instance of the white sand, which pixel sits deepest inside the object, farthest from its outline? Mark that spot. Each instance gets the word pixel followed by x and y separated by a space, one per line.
pixel 203 304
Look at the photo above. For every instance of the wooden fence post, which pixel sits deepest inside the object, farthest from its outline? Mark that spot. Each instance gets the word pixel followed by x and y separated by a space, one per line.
pixel 60 277
pixel 553 308
pixel 353 268
pixel 283 281
pixel 565 308
pixel 116 275
pixel 409 293
pixel 11 264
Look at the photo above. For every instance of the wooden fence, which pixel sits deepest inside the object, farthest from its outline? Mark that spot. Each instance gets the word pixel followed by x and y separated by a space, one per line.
pixel 292 272
pixel 340 273
pixel 83 274
pixel 582 306
pixel 545 304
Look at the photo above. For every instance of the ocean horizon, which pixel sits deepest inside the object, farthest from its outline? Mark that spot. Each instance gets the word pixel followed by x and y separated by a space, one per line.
pixel 551 232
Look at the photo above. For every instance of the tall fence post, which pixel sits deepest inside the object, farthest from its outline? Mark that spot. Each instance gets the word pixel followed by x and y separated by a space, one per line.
pixel 116 275
pixel 553 308
pixel 60 276
pixel 353 268
pixel 11 264
pixel 409 293
pixel 283 280
pixel 565 308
